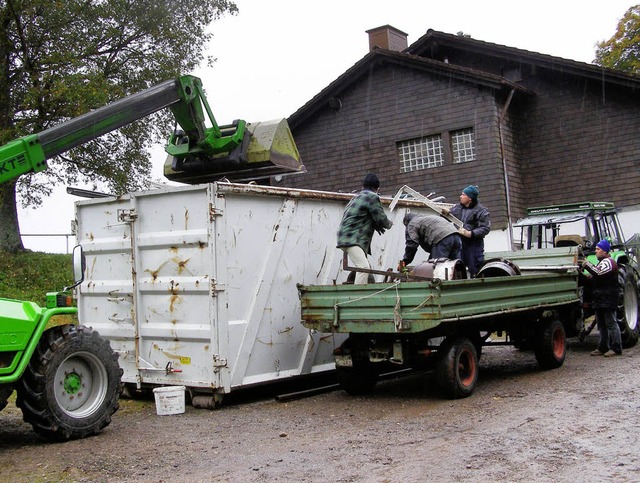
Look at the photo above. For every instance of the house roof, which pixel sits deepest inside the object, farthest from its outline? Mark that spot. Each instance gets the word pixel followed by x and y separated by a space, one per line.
pixel 379 57
pixel 432 42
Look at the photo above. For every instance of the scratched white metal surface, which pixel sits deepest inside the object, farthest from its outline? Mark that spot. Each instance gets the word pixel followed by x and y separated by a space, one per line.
pixel 202 279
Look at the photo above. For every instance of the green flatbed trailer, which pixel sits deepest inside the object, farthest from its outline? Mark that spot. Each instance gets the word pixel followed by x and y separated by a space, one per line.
pixel 444 324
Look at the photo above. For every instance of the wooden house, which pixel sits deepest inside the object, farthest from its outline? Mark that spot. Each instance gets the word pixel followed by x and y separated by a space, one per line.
pixel 447 111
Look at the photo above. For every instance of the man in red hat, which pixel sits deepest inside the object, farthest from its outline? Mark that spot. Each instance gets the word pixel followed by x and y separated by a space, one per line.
pixel 604 282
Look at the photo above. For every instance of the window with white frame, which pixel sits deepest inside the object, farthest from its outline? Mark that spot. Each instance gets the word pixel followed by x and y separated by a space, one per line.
pixel 421 153
pixel 463 146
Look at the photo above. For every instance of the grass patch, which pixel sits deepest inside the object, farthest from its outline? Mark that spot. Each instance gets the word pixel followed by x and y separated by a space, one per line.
pixel 30 275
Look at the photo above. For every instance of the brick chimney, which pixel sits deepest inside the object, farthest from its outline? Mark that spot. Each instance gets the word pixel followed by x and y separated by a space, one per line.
pixel 387 37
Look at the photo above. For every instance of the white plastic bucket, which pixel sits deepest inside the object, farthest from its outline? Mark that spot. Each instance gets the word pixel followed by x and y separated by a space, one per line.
pixel 169 400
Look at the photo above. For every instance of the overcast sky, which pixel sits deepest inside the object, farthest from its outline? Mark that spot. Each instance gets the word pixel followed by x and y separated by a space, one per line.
pixel 275 55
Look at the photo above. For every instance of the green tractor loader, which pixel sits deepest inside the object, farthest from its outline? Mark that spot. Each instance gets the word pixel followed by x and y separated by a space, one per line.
pixel 66 377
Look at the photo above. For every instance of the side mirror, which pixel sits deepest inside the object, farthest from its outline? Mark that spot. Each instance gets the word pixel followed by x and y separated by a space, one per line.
pixel 78 267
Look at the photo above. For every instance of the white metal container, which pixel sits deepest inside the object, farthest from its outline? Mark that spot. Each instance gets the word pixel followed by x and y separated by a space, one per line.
pixel 196 285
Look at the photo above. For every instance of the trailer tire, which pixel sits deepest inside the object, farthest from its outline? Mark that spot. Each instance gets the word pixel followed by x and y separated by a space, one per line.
pixel 551 348
pixel 627 312
pixel 5 391
pixel 357 380
pixel 71 386
pixel 457 368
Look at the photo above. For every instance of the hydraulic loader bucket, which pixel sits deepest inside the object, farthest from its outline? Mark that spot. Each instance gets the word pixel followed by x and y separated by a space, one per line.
pixel 268 149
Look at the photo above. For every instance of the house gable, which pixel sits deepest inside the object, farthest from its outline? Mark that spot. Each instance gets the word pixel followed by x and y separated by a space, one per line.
pixel 394 102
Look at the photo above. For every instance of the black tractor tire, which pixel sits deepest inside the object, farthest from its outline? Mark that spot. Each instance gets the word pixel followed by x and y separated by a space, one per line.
pixel 72 384
pixel 357 380
pixel 628 301
pixel 551 347
pixel 457 368
pixel 5 391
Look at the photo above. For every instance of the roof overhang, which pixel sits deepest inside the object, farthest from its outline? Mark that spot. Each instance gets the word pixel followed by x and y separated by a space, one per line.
pixel 382 57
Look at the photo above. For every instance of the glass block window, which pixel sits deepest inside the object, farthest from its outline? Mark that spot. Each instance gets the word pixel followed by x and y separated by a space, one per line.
pixel 463 146
pixel 421 153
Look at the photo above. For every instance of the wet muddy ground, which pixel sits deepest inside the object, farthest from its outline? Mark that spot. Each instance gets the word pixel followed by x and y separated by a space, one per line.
pixel 575 423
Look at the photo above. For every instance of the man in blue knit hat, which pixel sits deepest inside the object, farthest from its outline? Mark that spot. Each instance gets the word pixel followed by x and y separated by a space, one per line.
pixel 476 225
pixel 604 283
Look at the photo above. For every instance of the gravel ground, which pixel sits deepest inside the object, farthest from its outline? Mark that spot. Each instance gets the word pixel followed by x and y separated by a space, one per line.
pixel 575 423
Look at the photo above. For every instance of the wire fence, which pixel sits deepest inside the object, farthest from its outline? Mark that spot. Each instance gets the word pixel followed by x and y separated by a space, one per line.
pixel 43 242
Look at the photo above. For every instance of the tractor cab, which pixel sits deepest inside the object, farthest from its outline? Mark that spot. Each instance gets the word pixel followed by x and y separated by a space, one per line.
pixel 581 224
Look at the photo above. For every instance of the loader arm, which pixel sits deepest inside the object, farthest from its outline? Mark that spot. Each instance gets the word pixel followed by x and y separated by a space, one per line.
pixel 212 147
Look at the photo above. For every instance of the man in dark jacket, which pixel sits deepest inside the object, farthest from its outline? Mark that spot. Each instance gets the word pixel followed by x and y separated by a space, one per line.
pixel 604 286
pixel 477 225
pixel 433 234
pixel 362 216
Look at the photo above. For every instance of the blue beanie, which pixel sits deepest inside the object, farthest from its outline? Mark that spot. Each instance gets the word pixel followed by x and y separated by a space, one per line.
pixel 604 245
pixel 471 191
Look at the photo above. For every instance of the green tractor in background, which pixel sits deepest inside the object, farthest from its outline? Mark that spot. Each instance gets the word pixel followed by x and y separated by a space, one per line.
pixel 585 224
pixel 67 377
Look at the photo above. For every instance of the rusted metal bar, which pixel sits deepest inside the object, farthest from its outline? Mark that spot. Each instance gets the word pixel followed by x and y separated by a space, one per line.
pixel 403 277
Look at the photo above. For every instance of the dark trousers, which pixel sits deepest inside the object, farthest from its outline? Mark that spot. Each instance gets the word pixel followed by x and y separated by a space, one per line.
pixel 609 331
pixel 449 247
pixel 472 256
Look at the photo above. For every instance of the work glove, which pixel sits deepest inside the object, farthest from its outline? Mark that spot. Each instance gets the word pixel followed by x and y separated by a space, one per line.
pixel 464 233
pixel 445 212
pixel 402 267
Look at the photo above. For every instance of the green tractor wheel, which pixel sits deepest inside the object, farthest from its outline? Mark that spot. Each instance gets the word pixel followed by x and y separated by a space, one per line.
pixel 72 384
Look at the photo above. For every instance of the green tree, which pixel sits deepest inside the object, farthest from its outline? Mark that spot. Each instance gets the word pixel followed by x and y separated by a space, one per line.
pixel 62 58
pixel 622 51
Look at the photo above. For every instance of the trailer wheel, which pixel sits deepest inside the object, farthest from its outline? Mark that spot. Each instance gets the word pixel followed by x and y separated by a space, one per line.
pixel 627 312
pixel 551 348
pixel 71 386
pixel 457 369
pixel 5 391
pixel 357 380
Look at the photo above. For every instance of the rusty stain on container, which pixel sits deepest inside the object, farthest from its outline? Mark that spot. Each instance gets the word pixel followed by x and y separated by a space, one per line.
pixel 286 329
pixel 90 236
pixel 173 249
pixel 174 299
pixel 186 219
pixel 174 287
pixel 169 355
pixel 93 267
pixel 154 273
pixel 181 265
